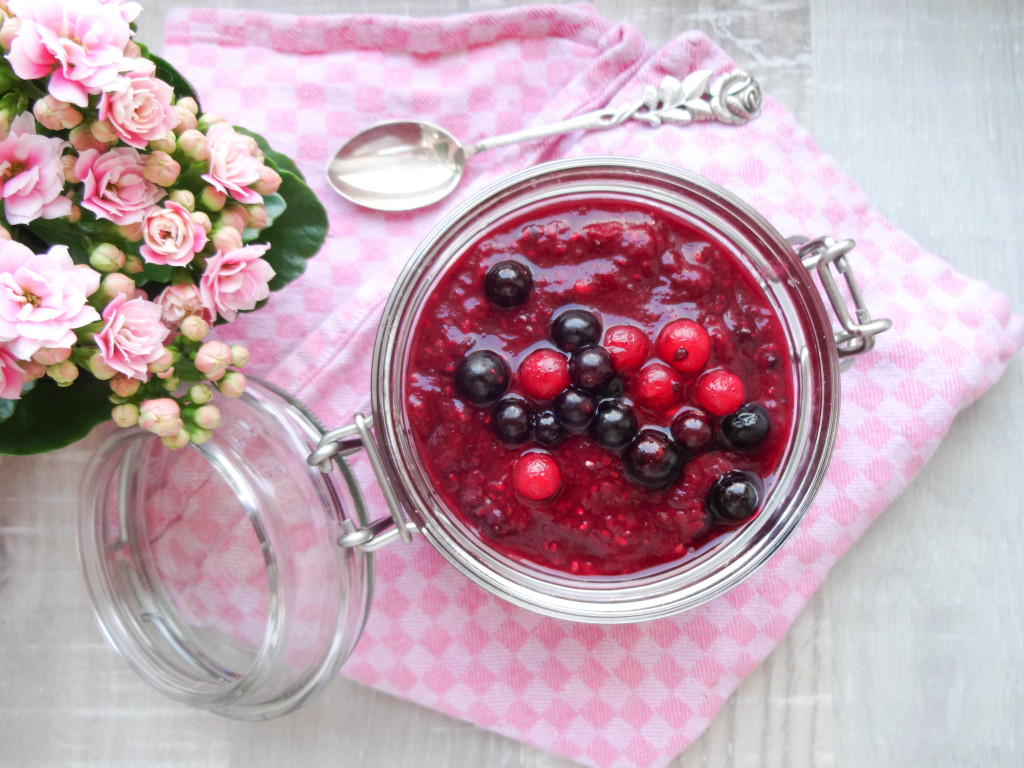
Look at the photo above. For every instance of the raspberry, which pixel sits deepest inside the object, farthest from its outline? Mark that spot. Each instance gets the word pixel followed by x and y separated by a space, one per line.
pixel 536 476
pixel 627 346
pixel 658 387
pixel 720 392
pixel 544 373
pixel 684 345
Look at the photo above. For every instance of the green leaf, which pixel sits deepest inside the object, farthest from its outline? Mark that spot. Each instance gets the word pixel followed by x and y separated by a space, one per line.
pixel 61 232
pixel 51 417
pixel 166 72
pixel 279 161
pixel 7 408
pixel 296 237
pixel 154 273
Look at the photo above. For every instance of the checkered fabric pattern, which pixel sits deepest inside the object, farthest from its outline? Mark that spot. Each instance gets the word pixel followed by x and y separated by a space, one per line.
pixel 602 695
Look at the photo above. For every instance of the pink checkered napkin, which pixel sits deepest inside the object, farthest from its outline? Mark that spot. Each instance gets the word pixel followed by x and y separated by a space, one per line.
pixel 602 695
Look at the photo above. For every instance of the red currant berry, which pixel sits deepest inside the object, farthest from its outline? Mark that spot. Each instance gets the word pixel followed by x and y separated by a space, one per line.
pixel 658 387
pixel 684 345
pixel 544 374
pixel 720 392
pixel 627 346
pixel 536 476
pixel 691 428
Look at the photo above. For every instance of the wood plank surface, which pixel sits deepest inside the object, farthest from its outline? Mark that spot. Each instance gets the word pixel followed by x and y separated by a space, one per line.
pixel 910 653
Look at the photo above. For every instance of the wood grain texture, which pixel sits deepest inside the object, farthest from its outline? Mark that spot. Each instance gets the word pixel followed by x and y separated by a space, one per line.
pixel 909 654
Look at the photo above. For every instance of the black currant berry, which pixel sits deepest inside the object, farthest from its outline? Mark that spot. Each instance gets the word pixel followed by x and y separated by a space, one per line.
pixel 652 460
pixel 575 408
pixel 591 368
pixel 482 377
pixel 548 430
pixel 512 420
pixel 575 328
pixel 508 284
pixel 747 427
pixel 691 428
pixel 614 425
pixel 734 497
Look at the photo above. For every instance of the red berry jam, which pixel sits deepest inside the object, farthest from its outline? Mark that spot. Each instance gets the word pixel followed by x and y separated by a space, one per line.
pixel 650 399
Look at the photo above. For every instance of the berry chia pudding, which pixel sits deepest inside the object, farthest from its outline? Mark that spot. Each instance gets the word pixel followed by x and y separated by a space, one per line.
pixel 599 389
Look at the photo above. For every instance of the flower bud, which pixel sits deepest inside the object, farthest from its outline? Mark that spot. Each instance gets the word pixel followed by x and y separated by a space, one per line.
pixel 32 370
pixel 63 373
pixel 232 384
pixel 125 415
pixel 234 215
pixel 124 386
pixel 213 359
pixel 99 369
pixel 75 215
pixel 162 363
pixel 269 183
pixel 68 166
pixel 202 219
pixel 198 435
pixel 212 199
pixel 132 50
pixel 194 328
pixel 208 417
pixel 106 257
pixel 193 144
pixel 116 283
pixel 104 132
pixel 166 144
pixel 171 382
pixel 200 394
pixel 226 239
pixel 177 440
pixel 81 138
pixel 184 198
pixel 9 31
pixel 187 102
pixel 161 416
pixel 55 114
pixel 161 169
pixel 52 355
pixel 186 120
pixel 4 233
pixel 209 118
pixel 132 233
pixel 257 217
pixel 239 356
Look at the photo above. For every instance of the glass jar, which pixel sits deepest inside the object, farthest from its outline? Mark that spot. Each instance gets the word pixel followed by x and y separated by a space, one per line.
pixel 302 587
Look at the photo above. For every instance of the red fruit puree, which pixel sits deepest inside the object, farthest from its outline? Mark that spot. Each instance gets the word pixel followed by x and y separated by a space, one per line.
pixel 628 265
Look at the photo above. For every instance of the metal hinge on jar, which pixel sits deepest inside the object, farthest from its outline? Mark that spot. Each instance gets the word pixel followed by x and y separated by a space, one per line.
pixel 348 440
pixel 822 255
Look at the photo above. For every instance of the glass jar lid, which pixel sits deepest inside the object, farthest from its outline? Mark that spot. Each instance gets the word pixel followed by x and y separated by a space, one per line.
pixel 215 569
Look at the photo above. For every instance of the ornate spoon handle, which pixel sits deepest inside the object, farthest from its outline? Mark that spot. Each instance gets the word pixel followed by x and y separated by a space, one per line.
pixel 734 99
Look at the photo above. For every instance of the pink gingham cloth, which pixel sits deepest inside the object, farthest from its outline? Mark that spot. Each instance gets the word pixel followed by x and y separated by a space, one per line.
pixel 602 695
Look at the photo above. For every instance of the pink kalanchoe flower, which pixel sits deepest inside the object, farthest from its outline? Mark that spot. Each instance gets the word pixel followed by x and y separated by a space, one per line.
pixel 79 45
pixel 180 301
pixel 11 375
pixel 129 10
pixel 31 174
pixel 42 298
pixel 236 280
pixel 138 105
pixel 133 336
pixel 171 236
pixel 113 185
pixel 235 163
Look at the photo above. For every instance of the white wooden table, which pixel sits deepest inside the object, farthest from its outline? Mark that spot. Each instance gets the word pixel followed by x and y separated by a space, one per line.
pixel 911 653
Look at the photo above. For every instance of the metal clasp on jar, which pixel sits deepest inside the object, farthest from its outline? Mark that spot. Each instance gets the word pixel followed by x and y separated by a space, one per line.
pixel 822 255
pixel 345 441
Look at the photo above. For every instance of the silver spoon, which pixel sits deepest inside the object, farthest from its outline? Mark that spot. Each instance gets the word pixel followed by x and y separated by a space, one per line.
pixel 403 165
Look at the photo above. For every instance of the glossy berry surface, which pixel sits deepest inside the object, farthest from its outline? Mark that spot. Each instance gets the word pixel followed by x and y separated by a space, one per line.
pixel 720 392
pixel 512 420
pixel 575 328
pixel 627 346
pixel 591 369
pixel 691 428
pixel 482 377
pixel 735 497
pixel 508 284
pixel 652 460
pixel 684 345
pixel 544 373
pixel 575 408
pixel 614 425
pixel 548 430
pixel 747 427
pixel 536 476
pixel 627 267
